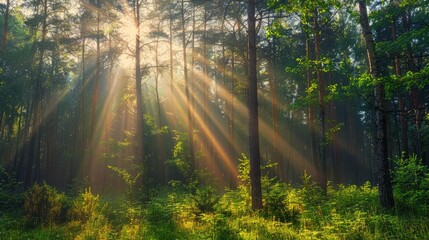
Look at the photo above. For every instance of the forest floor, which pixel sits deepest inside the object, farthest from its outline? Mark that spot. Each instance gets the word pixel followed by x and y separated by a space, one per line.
pixel 199 211
pixel 290 213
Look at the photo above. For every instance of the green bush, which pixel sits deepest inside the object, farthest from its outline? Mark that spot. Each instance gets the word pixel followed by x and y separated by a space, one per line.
pixel 217 227
pixel 43 204
pixel 280 202
pixel 8 198
pixel 158 211
pixel 348 199
pixel 235 202
pixel 204 200
pixel 411 185
pixel 85 206
pixel 97 227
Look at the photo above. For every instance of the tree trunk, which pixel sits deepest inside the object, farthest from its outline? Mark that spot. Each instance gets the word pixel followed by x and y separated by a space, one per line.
pixel 187 92
pixel 93 135
pixel 321 89
pixel 311 124
pixel 384 184
pixel 82 112
pixel 5 26
pixel 254 151
pixel 34 146
pixel 139 98
pixel 170 42
pixel 401 100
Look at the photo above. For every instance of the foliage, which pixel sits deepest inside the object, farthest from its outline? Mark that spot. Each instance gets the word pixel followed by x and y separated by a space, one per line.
pixel 205 200
pixel 43 204
pixel 180 155
pixel 348 212
pixel 8 198
pixel 88 218
pixel 84 207
pixel 281 202
pixel 310 193
pixel 97 227
pixel 411 185
pixel 131 182
pixel 78 186
pixel 351 198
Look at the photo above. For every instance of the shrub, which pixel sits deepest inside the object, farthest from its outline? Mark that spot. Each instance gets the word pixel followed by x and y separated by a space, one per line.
pixel 97 228
pixel 8 198
pixel 352 198
pixel 235 202
pixel 204 200
pixel 217 227
pixel 280 203
pixel 158 211
pixel 85 206
pixel 411 185
pixel 43 204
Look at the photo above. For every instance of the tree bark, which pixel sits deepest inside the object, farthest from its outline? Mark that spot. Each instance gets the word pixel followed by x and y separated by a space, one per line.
pixel 139 98
pixel 6 26
pixel 252 103
pixel 95 98
pixel 34 146
pixel 187 92
pixel 401 99
pixel 321 90
pixel 384 184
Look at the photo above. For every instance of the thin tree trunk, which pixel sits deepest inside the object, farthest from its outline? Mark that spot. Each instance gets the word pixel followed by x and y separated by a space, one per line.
pixel 83 141
pixel 385 184
pixel 401 100
pixel 321 89
pixel 139 97
pixel 254 151
pixel 18 142
pixel 172 97
pixel 187 92
pixel 93 135
pixel 5 26
pixel 311 124
pixel 34 147
pixel 406 19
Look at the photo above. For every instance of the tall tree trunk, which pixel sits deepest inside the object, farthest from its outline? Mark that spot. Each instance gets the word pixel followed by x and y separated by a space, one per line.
pixel 191 153
pixel 322 114
pixel 384 184
pixel 205 88
pixel 254 151
pixel 406 19
pixel 139 97
pixel 5 26
pixel 158 101
pixel 34 146
pixel 401 99
pixel 82 111
pixel 93 135
pixel 18 142
pixel 311 122
pixel 170 42
pixel 24 147
pixel 231 124
pixel 274 108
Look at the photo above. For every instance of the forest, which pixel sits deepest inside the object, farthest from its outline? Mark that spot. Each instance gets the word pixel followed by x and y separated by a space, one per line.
pixel 214 119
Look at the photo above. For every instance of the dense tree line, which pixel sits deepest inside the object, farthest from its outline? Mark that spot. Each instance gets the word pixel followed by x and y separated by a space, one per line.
pixel 159 90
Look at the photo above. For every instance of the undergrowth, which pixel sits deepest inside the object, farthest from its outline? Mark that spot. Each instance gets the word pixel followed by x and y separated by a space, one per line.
pixel 202 212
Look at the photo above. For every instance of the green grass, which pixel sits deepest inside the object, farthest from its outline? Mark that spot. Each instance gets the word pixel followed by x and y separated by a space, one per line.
pixel 350 212
pixel 347 212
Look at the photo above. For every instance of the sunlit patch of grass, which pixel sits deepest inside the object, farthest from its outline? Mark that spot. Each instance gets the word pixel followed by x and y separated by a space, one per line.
pixel 200 212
